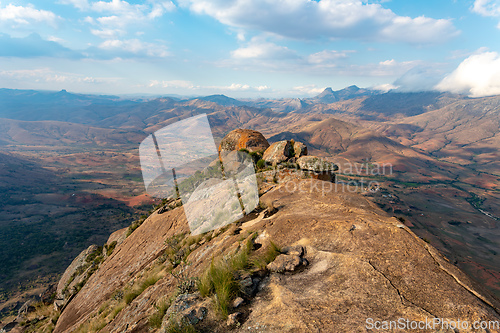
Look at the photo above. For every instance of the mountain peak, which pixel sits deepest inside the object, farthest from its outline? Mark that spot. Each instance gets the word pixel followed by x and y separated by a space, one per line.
pixel 352 88
pixel 330 96
pixel 328 91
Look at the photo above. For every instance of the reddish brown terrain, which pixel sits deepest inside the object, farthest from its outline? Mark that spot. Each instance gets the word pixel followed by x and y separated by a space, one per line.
pixel 440 173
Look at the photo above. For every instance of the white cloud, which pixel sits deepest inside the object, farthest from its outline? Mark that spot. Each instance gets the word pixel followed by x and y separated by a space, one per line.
pixel 116 17
pixel 384 87
pixel 487 7
pixel 26 15
pixel 311 90
pixel 55 39
pixel 421 77
pixel 80 4
pixel 172 84
pixel 477 76
pixel 262 55
pixel 134 46
pixel 116 7
pixel 305 19
pixel 107 33
pixel 258 48
pixel 159 9
pixel 384 68
pixel 327 56
pixel 182 84
pixel 418 30
pixel 42 75
pixel 236 87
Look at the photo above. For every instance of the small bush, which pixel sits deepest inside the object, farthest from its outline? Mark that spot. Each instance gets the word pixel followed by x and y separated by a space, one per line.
pixel 175 253
pixel 220 279
pixel 110 248
pixel 261 164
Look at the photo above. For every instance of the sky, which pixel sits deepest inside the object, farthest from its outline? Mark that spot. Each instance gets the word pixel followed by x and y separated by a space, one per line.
pixel 250 48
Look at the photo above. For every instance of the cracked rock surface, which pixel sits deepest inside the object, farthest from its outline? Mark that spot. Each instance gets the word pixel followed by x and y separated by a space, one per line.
pixel 378 270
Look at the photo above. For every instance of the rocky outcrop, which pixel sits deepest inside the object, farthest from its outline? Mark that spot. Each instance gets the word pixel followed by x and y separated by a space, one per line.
pixel 117 236
pixel 289 261
pixel 316 164
pixel 186 308
pixel 243 139
pixel 379 269
pixel 67 280
pixel 318 167
pixel 299 149
pixel 278 152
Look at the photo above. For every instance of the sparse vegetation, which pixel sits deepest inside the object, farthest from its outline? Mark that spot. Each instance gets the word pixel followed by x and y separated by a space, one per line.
pixel 110 248
pixel 135 225
pixel 220 279
pixel 175 252
pixel 130 296
pixel 271 252
pixel 260 165
pixel 92 263
pixel 42 320
pixel 156 319
pixel 175 327
pixel 185 284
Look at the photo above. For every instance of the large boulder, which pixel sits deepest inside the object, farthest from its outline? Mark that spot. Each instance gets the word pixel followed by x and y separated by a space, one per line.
pixel 299 149
pixel 278 152
pixel 243 139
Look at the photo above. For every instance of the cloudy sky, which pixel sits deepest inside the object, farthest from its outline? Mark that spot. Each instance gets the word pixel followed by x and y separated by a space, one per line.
pixel 250 48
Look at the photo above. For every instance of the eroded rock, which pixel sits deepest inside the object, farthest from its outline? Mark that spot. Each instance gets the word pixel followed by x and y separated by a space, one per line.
pixel 317 164
pixel 297 250
pixel 237 302
pixel 243 139
pixel 286 262
pixel 187 308
pixel 232 319
pixel 68 278
pixel 278 152
pixel 299 149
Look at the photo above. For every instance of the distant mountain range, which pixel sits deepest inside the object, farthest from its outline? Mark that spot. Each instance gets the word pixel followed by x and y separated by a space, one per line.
pixel 80 108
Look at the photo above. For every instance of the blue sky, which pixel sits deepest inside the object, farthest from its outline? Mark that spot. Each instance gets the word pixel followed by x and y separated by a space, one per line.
pixel 250 48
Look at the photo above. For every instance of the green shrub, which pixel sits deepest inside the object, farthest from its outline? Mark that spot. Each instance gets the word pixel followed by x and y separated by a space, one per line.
pixel 256 156
pixel 110 248
pixel 219 279
pixel 261 164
